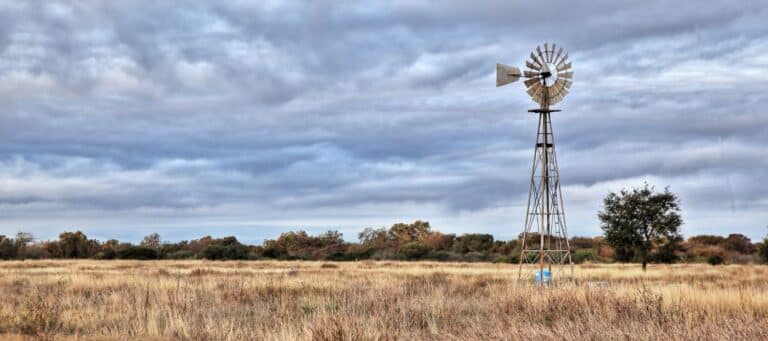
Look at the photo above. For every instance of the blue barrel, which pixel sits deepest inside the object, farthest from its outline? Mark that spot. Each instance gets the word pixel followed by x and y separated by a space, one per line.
pixel 543 277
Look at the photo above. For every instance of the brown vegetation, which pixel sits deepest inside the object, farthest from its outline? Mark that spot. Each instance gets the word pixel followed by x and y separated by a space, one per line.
pixel 413 241
pixel 370 300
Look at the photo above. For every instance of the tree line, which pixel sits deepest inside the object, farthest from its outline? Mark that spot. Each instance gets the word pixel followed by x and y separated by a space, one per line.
pixel 402 241
pixel 639 224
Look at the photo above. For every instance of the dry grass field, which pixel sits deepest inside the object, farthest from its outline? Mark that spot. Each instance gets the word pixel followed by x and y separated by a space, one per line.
pixel 204 300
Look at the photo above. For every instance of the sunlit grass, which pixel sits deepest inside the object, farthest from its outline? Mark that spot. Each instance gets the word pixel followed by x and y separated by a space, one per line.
pixel 377 300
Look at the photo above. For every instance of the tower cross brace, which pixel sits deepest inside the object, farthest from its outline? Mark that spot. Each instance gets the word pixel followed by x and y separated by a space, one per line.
pixel 545 214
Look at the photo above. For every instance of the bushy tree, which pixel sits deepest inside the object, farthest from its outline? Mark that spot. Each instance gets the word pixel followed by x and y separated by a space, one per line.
pixel 23 241
pixel 8 248
pixel 473 242
pixel 374 237
pixel 740 243
pixel 706 240
pixel 638 221
pixel 437 241
pixel 151 241
pixel 300 245
pixel 404 233
pixel 331 237
pixel 76 245
pixel 763 250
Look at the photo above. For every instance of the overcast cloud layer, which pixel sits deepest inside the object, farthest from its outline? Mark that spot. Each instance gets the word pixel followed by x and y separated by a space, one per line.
pixel 189 118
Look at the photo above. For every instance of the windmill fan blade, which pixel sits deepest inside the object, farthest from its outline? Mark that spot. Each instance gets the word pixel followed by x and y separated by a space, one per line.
pixel 531 82
pixel 538 49
pixel 506 74
pixel 546 52
pixel 555 88
pixel 554 100
pixel 552 53
pixel 553 91
pixel 567 75
pixel 563 92
pixel 535 60
pixel 564 67
pixel 532 65
pixel 536 98
pixel 563 60
pixel 535 90
pixel 559 52
pixel 530 74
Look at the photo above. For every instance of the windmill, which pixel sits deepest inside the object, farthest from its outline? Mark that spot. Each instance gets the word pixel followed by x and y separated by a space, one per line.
pixel 549 76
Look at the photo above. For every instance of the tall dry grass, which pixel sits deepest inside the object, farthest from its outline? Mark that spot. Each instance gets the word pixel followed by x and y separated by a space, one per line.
pixel 198 300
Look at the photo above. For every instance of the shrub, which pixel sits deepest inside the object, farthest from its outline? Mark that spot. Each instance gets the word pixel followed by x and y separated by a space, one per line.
pixel 183 254
pixel 443 256
pixel 334 252
pixel 739 243
pixel 413 250
pixel 383 254
pixel 106 254
pixel 703 252
pixel 582 242
pixel 742 259
pixel 473 242
pixel 358 251
pixel 511 259
pixel 137 252
pixel 668 254
pixel 530 257
pixel 715 259
pixel 218 252
pixel 581 256
pixel 762 250
pixel 475 257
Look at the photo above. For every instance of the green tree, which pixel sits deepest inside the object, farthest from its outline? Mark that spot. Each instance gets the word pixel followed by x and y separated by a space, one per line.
pixel 76 245
pixel 473 242
pixel 638 221
pixel 763 249
pixel 8 248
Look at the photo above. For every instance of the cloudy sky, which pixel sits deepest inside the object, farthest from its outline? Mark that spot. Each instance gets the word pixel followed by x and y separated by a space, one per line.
pixel 120 118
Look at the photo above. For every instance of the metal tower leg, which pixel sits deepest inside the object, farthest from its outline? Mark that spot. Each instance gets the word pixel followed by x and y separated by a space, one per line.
pixel 544 213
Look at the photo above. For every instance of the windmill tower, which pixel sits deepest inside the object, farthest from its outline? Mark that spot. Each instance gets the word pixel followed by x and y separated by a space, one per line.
pixel 545 234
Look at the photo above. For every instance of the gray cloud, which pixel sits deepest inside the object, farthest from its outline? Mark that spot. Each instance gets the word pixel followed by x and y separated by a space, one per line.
pixel 256 118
